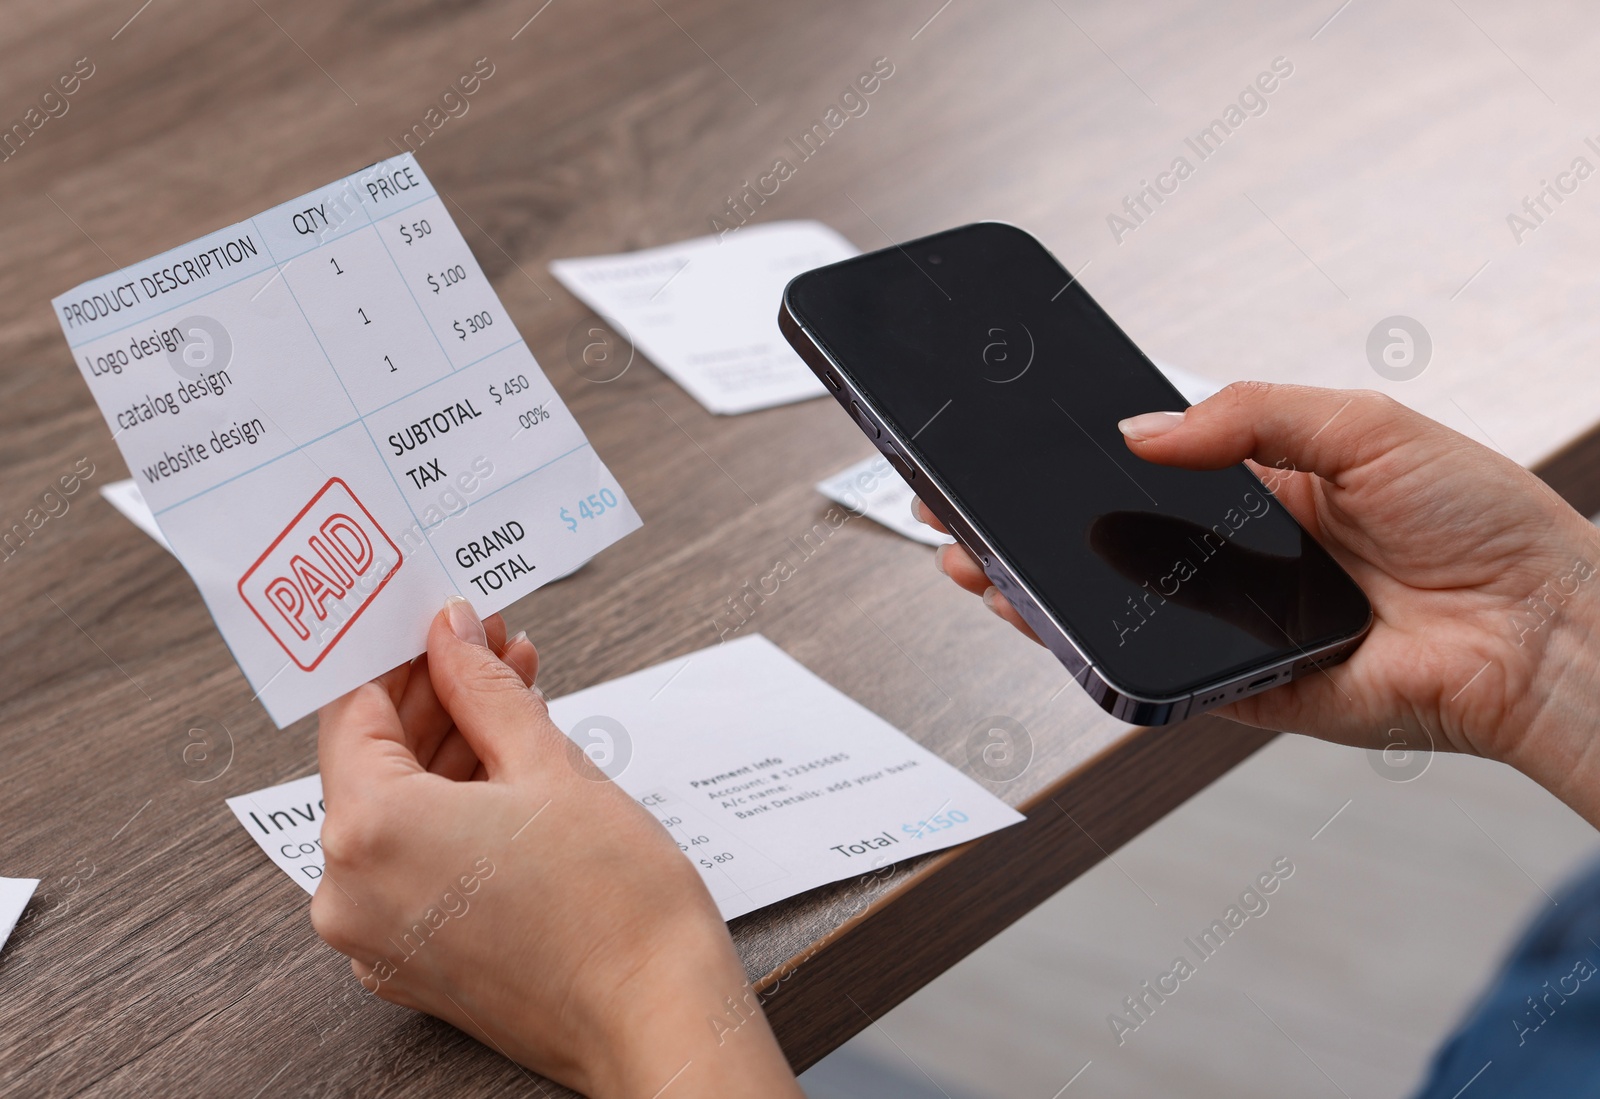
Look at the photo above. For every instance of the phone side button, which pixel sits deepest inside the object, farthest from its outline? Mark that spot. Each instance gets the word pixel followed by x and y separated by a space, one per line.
pixel 904 468
pixel 865 421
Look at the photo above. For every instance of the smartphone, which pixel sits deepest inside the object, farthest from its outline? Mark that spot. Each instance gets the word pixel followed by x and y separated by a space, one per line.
pixel 993 383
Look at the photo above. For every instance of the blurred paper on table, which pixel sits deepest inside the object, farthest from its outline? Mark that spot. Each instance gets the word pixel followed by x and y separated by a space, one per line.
pixel 14 895
pixel 771 781
pixel 872 488
pixel 706 311
pixel 1194 387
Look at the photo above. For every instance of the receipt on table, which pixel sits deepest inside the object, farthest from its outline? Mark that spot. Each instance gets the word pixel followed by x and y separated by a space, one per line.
pixel 770 780
pixel 14 894
pixel 286 821
pixel 336 424
pixel 706 311
pixel 872 488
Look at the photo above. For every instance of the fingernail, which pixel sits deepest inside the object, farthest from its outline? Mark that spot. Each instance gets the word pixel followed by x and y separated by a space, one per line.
pixel 464 621
pixel 1149 425
pixel 520 639
pixel 516 656
pixel 991 598
pixel 939 559
pixel 916 510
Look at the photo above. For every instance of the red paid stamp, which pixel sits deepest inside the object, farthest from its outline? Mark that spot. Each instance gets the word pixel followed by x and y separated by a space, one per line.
pixel 317 577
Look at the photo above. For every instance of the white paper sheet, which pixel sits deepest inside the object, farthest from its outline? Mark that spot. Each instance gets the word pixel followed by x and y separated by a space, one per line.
pixel 706 311
pixel 771 781
pixel 337 425
pixel 286 822
pixel 872 488
pixel 14 894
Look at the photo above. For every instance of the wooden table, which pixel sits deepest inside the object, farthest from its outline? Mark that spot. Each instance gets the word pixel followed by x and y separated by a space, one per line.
pixel 164 955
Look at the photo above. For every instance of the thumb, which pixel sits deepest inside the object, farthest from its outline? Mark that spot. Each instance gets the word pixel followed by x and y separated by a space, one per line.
pixel 487 699
pixel 1329 432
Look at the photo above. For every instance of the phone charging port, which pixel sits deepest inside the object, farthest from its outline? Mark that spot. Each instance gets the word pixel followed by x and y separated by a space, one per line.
pixel 1262 682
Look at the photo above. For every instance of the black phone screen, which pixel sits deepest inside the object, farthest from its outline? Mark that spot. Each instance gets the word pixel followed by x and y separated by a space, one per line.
pixel 1006 379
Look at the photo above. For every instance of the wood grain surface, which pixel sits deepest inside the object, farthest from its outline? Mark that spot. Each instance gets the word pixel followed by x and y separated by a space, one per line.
pixel 164 955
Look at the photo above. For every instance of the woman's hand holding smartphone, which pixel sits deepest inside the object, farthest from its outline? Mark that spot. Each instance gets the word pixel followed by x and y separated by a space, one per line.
pixel 1483 581
pixel 993 381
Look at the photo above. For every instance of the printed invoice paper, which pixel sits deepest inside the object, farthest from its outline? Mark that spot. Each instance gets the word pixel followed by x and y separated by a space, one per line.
pixel 771 781
pixel 337 425
pixel 872 488
pixel 706 310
